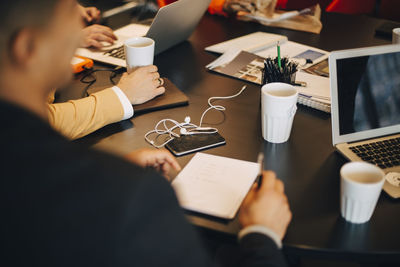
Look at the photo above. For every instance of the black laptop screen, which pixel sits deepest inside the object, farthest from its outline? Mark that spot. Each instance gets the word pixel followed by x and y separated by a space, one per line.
pixel 368 92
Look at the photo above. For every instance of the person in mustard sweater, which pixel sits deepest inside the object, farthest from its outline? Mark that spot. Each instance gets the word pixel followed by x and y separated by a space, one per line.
pixel 77 118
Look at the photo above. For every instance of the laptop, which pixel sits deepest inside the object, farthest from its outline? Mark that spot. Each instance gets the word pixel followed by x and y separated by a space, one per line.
pixel 173 24
pixel 365 91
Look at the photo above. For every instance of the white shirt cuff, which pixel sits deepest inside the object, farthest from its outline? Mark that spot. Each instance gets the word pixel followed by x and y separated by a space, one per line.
pixel 126 104
pixel 261 230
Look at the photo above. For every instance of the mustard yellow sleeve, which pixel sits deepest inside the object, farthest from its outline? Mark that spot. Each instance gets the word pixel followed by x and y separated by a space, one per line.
pixel 77 118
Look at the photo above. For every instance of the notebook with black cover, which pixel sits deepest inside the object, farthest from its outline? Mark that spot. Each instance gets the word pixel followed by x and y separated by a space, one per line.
pixel 173 97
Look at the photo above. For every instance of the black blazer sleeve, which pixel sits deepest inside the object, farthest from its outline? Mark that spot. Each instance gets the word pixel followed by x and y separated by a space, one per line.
pixel 259 250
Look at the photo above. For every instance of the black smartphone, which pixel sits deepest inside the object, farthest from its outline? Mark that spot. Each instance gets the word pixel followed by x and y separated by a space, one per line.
pixel 186 144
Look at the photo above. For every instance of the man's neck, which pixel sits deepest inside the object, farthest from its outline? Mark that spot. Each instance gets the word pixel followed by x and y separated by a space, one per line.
pixel 29 103
pixel 24 95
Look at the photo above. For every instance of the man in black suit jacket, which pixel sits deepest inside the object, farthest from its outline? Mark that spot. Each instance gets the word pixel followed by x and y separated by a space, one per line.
pixel 65 205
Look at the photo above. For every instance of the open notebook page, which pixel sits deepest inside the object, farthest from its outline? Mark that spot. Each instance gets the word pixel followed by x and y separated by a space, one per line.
pixel 215 185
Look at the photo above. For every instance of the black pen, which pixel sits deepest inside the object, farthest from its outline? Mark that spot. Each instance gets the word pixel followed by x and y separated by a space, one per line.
pixel 299 83
pixel 260 161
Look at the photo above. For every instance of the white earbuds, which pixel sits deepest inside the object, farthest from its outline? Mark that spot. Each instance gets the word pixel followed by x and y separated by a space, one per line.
pixel 183 131
pixel 186 128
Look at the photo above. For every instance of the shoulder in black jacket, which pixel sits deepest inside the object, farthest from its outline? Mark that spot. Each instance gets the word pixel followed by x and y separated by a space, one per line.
pixel 65 205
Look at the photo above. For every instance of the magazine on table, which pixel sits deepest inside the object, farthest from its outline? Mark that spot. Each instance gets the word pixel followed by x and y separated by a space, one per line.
pixel 249 66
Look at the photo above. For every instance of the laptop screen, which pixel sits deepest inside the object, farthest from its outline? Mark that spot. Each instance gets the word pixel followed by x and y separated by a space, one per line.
pixel 368 92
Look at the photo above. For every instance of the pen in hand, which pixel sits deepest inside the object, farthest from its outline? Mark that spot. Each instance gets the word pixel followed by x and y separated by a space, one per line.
pixel 260 161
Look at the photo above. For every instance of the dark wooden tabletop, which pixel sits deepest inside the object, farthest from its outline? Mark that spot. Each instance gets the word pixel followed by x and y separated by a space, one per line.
pixel 307 163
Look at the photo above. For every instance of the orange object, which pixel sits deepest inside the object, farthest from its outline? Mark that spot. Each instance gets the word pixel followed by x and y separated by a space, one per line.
pixel 79 64
pixel 217 7
pixel 352 7
pixel 162 3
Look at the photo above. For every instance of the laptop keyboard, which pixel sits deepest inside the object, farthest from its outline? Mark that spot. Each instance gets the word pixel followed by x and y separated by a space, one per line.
pixel 116 52
pixel 384 154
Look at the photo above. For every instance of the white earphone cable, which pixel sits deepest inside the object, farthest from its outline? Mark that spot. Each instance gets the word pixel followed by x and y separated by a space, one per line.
pixel 186 128
pixel 219 107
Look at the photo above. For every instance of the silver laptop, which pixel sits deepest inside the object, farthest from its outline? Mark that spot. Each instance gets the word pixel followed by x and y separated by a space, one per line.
pixel 365 88
pixel 173 24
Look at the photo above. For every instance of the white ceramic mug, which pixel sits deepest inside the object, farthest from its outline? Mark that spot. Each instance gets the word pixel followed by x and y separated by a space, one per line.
pixel 360 186
pixel 139 51
pixel 396 36
pixel 278 107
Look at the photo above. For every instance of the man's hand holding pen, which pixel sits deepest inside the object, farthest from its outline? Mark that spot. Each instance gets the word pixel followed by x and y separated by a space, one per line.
pixel 267 205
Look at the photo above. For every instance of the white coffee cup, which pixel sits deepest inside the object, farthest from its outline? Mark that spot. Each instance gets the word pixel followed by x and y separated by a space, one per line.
pixel 139 51
pixel 396 36
pixel 360 186
pixel 278 107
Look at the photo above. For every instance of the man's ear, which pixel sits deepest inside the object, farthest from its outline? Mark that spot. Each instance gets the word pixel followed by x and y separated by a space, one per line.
pixel 23 48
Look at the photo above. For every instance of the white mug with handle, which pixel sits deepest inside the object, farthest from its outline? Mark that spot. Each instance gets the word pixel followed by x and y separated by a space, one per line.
pixel 139 52
pixel 360 186
pixel 278 107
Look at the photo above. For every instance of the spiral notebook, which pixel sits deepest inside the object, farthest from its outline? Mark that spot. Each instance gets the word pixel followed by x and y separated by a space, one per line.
pixel 316 94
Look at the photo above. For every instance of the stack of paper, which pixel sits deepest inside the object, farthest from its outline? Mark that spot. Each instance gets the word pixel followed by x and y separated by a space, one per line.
pixel 215 185
pixel 264 45
pixel 253 42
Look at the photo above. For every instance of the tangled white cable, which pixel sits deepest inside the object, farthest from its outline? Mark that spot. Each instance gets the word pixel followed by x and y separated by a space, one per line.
pixel 186 127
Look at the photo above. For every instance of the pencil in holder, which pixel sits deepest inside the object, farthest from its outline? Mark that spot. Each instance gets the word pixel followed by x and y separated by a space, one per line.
pixel 284 72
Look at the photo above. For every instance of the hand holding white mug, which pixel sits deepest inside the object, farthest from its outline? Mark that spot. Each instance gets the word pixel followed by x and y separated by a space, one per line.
pixel 142 85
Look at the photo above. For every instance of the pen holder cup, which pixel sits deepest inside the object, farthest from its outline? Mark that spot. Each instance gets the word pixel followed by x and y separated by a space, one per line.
pixel 289 79
pixel 273 73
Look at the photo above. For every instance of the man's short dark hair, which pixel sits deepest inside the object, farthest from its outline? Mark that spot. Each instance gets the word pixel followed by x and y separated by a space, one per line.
pixel 17 14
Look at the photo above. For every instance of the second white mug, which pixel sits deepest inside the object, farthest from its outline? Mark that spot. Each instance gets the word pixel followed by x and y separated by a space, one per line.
pixel 278 107
pixel 360 187
pixel 396 36
pixel 139 52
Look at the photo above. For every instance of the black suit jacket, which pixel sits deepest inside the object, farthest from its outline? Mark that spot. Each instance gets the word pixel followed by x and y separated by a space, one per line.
pixel 65 205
